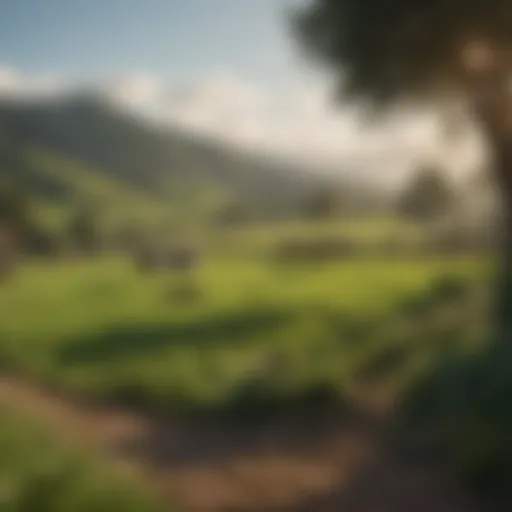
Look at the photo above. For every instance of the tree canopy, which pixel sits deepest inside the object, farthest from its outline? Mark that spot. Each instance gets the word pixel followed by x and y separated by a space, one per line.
pixel 383 51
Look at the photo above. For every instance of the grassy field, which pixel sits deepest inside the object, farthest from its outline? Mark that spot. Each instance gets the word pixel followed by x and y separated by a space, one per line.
pixel 262 239
pixel 40 474
pixel 252 332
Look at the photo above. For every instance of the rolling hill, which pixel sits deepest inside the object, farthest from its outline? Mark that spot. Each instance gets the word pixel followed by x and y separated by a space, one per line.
pixel 82 145
pixel 83 141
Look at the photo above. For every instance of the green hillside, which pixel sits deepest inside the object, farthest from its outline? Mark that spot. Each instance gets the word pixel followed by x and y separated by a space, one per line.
pixel 83 144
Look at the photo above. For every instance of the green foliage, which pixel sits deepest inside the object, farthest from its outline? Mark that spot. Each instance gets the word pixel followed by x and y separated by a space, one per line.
pixel 389 50
pixel 314 250
pixel 18 217
pixel 232 213
pixel 469 398
pixel 13 207
pixel 84 229
pixel 83 146
pixel 37 474
pixel 105 331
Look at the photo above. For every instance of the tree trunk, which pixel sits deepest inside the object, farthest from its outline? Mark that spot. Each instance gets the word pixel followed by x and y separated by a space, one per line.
pixel 494 110
pixel 503 319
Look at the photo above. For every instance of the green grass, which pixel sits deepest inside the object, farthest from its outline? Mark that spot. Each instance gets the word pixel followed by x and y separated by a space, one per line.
pixel 261 239
pixel 119 201
pixel 39 474
pixel 103 330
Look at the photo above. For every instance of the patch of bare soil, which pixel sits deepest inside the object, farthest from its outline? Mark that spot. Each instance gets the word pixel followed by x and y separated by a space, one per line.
pixel 337 464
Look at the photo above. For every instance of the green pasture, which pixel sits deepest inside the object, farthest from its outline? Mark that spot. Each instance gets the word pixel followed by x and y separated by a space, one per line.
pixel 105 331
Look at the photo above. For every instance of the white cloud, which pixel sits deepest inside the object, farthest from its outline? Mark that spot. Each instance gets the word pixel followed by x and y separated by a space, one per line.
pixel 9 81
pixel 285 122
pixel 14 84
pixel 300 123
pixel 136 91
pixel 221 106
pixel 297 122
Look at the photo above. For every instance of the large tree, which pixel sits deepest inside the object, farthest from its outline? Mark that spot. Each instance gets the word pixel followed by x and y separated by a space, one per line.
pixel 387 52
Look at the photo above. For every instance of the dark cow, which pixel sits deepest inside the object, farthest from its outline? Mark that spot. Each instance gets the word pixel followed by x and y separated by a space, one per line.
pixel 175 258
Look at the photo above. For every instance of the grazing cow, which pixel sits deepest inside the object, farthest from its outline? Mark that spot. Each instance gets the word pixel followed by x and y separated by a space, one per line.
pixel 175 258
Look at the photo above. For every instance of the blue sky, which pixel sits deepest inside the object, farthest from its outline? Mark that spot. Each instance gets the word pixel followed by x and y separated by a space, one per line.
pixel 239 76
pixel 177 39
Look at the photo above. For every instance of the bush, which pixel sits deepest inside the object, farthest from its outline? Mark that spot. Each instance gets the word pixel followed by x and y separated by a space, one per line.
pixel 325 203
pixel 449 288
pixel 255 400
pixel 466 404
pixel 84 230
pixel 428 197
pixel 314 249
pixel 453 239
pixel 445 290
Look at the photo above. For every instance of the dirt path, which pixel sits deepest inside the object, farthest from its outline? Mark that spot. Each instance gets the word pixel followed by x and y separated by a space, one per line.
pixel 338 465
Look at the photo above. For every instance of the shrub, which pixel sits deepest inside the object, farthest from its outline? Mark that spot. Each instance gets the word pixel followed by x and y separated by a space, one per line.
pixel 449 288
pixel 429 196
pixel 465 403
pixel 314 249
pixel 256 400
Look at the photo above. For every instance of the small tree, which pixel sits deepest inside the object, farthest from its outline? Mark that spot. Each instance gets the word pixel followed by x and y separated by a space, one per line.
pixel 15 208
pixel 428 197
pixel 84 230
pixel 18 217
pixel 233 212
pixel 324 203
